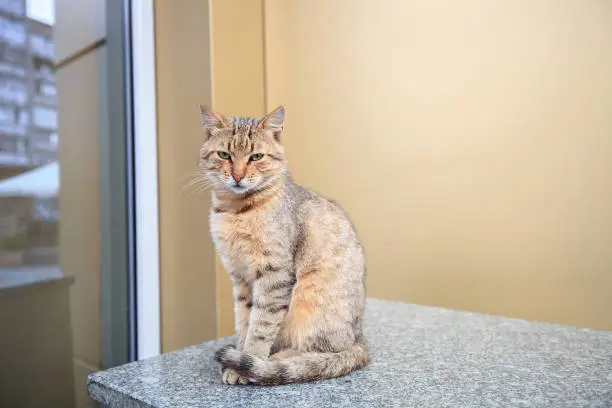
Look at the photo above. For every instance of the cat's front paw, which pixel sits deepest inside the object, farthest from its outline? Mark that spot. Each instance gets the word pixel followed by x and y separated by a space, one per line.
pixel 231 377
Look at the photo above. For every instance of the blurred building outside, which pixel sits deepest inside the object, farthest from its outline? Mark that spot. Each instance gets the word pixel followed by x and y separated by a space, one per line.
pixel 29 174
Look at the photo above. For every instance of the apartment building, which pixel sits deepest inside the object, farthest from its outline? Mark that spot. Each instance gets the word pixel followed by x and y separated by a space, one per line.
pixel 28 114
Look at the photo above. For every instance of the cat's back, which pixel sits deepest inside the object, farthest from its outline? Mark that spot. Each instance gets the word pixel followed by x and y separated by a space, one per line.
pixel 312 206
pixel 326 226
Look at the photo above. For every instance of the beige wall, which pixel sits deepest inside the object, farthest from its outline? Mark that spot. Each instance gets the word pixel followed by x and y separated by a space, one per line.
pixel 239 89
pixel 80 101
pixel 470 141
pixel 188 300
pixel 220 63
pixel 36 344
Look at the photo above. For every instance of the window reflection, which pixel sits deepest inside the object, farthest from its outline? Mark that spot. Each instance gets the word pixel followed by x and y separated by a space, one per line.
pixel 29 173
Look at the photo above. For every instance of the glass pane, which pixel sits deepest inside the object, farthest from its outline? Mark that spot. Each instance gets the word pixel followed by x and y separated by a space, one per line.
pixel 36 336
pixel 29 174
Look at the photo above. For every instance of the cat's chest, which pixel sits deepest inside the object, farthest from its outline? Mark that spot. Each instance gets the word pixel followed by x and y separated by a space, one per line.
pixel 240 239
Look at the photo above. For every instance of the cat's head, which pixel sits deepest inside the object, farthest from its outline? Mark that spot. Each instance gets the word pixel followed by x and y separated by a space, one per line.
pixel 242 154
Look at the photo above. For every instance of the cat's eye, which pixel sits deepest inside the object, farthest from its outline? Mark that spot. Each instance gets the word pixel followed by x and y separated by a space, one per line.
pixel 224 155
pixel 256 156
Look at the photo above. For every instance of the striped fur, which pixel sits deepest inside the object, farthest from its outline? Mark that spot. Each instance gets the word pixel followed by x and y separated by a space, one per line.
pixel 294 367
pixel 295 259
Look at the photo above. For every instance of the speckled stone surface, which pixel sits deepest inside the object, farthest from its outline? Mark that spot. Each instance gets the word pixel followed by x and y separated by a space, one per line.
pixel 421 357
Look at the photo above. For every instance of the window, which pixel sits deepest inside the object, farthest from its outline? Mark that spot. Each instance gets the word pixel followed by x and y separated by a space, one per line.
pixel 6 68
pixel 13 6
pixel 12 32
pixel 13 90
pixel 41 46
pixel 48 89
pixel 6 115
pixel 24 117
pixel 45 117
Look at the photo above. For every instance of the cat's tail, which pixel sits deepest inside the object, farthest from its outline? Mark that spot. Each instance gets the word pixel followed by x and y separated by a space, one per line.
pixel 302 367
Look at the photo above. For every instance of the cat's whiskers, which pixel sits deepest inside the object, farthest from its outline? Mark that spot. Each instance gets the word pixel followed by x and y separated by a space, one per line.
pixel 195 173
pixel 194 182
pixel 199 173
pixel 198 183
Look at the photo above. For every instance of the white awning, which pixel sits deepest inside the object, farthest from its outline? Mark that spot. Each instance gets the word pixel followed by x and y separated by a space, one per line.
pixel 40 182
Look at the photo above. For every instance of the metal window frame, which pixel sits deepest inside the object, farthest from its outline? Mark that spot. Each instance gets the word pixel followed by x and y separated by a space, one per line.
pixel 117 206
pixel 148 307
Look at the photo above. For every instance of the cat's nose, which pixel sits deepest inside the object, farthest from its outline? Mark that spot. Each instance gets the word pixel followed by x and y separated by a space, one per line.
pixel 237 176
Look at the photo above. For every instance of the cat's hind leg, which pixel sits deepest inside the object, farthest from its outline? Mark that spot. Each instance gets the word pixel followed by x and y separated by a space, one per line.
pixel 284 354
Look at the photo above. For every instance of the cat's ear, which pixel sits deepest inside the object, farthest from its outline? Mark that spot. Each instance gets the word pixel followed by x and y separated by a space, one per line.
pixel 274 122
pixel 211 119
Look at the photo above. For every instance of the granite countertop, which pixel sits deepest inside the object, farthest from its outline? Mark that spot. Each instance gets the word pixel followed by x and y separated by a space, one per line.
pixel 421 357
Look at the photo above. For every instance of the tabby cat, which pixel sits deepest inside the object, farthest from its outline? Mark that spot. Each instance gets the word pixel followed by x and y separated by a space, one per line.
pixel 296 263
